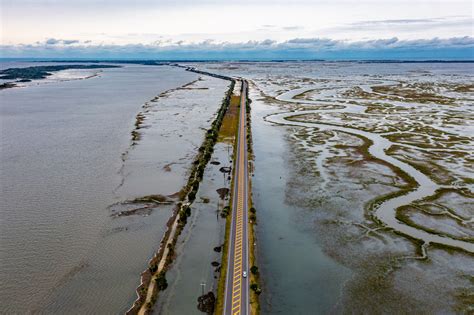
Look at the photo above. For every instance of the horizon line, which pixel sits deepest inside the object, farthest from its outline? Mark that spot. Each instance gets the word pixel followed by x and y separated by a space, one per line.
pixel 165 60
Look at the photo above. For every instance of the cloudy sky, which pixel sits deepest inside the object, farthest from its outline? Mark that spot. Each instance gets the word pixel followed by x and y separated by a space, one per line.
pixel 221 29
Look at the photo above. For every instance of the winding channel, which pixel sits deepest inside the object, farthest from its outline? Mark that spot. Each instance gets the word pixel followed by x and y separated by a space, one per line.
pixel 386 211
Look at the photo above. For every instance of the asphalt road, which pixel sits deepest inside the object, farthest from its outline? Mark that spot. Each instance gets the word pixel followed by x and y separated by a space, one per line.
pixel 237 286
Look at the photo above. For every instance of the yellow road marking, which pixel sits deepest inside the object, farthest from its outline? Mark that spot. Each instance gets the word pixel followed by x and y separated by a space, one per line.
pixel 238 236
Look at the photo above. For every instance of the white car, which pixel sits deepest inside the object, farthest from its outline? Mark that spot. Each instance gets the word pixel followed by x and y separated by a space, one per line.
pixel 244 274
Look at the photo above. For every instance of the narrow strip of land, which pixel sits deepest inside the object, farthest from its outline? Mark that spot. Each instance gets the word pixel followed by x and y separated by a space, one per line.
pixel 236 299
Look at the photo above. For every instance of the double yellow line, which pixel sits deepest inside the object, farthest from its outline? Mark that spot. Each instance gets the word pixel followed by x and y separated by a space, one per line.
pixel 239 225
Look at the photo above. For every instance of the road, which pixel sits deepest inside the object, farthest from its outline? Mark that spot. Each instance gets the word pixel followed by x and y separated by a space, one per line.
pixel 237 287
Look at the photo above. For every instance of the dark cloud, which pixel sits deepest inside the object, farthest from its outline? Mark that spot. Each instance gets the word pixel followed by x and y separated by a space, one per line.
pixel 69 41
pixel 54 41
pixel 51 41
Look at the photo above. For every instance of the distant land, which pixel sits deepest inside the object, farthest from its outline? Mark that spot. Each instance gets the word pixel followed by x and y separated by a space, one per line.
pixel 158 62
pixel 41 72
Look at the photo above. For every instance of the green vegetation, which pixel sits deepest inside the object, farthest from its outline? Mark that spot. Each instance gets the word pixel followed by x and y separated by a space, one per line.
pixel 249 127
pixel 416 92
pixel 225 253
pixel 184 213
pixel 253 215
pixel 464 88
pixel 225 214
pixel 225 211
pixel 139 120
pixel 151 198
pixel 255 288
pixel 7 85
pixel 419 92
pixel 161 282
pixel 254 270
pixel 135 136
pixel 229 126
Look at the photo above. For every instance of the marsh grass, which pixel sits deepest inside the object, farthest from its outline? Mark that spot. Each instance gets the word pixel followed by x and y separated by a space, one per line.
pixel 229 126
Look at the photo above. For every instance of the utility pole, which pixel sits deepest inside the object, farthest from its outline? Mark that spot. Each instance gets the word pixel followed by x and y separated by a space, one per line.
pixel 203 285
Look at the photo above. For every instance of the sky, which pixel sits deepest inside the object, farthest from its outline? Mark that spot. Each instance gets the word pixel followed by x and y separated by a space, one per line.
pixel 221 29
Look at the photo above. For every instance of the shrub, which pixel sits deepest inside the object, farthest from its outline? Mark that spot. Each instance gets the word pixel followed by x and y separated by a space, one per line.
pixel 187 211
pixel 161 282
pixel 225 211
pixel 182 219
pixel 255 288
pixel 254 270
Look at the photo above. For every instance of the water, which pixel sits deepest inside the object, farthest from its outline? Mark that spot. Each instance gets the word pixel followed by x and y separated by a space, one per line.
pixel 61 152
pixel 60 163
pixel 195 247
pixel 298 277
pixel 386 212
pixel 331 254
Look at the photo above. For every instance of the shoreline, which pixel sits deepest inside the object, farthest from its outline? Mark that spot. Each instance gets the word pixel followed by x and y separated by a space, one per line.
pixel 147 291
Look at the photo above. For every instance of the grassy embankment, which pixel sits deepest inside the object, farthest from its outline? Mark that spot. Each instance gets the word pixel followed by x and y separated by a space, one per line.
pixel 227 134
pixel 228 131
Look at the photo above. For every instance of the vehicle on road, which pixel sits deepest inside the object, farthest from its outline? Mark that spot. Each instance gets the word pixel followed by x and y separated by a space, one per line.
pixel 244 274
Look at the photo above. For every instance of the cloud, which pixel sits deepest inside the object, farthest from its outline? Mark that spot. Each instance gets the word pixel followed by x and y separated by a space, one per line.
pixel 69 41
pixel 292 28
pixel 54 41
pixel 395 22
pixel 301 48
pixel 411 24
pixel 451 26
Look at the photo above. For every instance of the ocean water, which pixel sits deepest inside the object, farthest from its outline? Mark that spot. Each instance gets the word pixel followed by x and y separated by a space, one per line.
pixel 60 160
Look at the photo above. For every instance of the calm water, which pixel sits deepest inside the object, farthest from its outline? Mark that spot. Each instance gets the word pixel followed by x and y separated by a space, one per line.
pixel 204 231
pixel 305 267
pixel 298 277
pixel 61 148
pixel 60 160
